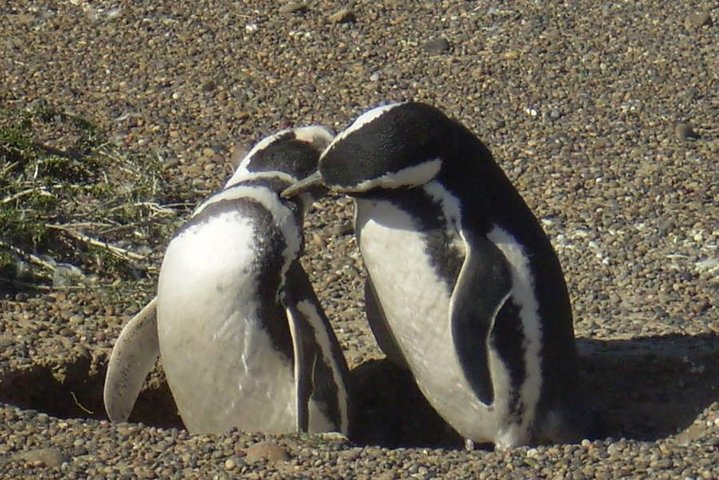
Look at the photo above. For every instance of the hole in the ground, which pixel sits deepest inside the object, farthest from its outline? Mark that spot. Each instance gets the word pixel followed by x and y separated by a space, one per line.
pixel 644 389
pixel 76 392
pixel 389 409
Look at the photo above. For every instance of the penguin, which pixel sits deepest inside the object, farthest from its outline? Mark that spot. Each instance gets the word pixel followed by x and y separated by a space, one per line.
pixel 242 337
pixel 464 287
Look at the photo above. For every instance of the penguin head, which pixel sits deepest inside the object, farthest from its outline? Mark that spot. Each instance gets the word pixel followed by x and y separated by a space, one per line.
pixel 294 152
pixel 396 146
pixel 286 156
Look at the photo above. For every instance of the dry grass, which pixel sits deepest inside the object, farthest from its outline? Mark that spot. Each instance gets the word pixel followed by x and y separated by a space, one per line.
pixel 74 209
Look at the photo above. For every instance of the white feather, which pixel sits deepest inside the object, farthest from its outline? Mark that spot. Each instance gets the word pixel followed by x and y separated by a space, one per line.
pixel 261 145
pixel 363 120
pixel 283 217
pixel 318 137
pixel 406 177
pixel 221 365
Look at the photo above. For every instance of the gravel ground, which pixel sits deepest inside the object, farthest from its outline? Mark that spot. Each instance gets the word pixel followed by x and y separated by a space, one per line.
pixel 603 114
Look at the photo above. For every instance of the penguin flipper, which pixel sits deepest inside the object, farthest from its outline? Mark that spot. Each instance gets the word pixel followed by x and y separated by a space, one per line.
pixel 483 286
pixel 133 357
pixel 380 328
pixel 326 370
pixel 302 354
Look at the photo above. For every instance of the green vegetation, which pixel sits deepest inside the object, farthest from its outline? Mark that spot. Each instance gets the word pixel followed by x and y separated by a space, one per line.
pixel 68 197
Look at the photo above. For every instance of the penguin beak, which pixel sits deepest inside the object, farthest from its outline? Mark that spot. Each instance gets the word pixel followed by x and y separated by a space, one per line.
pixel 312 184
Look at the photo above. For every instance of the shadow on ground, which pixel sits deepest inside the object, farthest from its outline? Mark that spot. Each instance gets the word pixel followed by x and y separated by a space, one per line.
pixel 644 389
pixel 654 387
pixel 76 392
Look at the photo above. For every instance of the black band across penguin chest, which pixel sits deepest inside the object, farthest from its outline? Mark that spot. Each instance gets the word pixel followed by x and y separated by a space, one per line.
pixel 441 240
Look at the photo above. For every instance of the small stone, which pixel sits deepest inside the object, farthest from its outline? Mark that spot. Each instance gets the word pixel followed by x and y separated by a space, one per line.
pixel 437 46
pixel 232 463
pixel 209 85
pixel 684 131
pixel 331 437
pixel 293 7
pixel 48 457
pixel 344 15
pixel 267 450
pixel 698 20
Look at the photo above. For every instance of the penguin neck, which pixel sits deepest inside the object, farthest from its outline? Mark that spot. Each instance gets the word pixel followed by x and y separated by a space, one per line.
pixel 438 204
pixel 276 182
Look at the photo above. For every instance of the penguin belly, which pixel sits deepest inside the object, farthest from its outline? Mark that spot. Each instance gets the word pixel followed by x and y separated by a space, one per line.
pixel 221 365
pixel 416 303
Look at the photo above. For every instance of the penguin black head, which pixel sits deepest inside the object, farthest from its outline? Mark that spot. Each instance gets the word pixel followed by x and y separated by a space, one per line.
pixel 293 152
pixel 283 158
pixel 402 145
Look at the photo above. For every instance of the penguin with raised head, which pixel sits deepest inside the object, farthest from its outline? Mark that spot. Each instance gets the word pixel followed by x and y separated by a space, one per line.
pixel 464 286
pixel 242 337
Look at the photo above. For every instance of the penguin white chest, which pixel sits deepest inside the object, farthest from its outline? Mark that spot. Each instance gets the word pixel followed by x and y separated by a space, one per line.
pixel 408 287
pixel 220 363
pixel 416 303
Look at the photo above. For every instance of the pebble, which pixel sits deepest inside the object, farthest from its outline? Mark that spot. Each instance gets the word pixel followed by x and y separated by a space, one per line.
pixel 684 131
pixel 232 463
pixel 698 20
pixel 293 7
pixel 343 15
pixel 44 457
pixel 268 451
pixel 437 46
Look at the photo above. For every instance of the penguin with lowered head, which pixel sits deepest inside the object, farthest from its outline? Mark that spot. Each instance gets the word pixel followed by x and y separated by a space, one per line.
pixel 464 287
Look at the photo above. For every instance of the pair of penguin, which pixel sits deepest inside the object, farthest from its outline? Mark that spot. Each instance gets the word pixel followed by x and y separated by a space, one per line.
pixel 464 288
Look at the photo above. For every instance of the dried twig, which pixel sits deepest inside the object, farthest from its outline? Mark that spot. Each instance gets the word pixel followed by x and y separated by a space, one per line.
pixel 154 206
pixel 81 406
pixel 113 249
pixel 28 285
pixel 29 256
pixel 24 193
